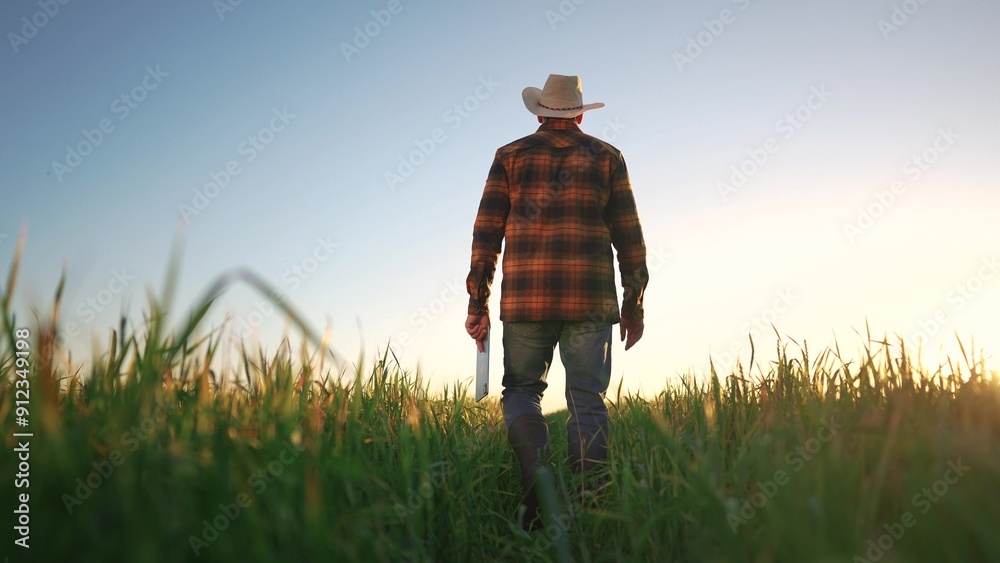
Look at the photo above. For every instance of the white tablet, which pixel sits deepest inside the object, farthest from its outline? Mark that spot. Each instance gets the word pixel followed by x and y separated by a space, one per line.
pixel 483 368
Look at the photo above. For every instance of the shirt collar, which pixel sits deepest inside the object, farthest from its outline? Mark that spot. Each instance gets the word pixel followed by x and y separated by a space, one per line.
pixel 565 124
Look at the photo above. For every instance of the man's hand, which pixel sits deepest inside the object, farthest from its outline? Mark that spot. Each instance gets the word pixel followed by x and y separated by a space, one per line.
pixel 476 326
pixel 631 331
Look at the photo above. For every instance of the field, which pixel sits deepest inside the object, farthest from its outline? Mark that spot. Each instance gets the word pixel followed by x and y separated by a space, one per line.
pixel 147 455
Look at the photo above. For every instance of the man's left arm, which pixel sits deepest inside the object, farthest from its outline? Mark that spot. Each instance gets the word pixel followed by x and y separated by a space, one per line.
pixel 626 236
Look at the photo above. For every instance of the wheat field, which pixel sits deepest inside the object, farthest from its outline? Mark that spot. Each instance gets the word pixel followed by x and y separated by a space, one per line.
pixel 147 454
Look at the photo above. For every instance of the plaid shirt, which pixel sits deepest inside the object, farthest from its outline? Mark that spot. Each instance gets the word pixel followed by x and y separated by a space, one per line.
pixel 561 198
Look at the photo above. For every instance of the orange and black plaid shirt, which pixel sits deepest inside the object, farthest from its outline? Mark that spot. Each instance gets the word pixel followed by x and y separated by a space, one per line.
pixel 561 199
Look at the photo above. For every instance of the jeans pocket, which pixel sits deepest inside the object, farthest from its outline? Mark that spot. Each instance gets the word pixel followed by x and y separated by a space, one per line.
pixel 524 328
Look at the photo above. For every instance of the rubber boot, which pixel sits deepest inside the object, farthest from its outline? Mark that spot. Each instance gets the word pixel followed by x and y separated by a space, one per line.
pixel 529 438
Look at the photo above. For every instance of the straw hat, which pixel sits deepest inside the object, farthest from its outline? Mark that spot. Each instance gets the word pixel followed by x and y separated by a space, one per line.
pixel 562 96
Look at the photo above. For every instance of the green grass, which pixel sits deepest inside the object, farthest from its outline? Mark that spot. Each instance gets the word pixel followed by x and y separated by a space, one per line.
pixel 369 466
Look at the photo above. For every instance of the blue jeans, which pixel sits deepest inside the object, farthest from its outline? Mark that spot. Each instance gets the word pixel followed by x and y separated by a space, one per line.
pixel 585 350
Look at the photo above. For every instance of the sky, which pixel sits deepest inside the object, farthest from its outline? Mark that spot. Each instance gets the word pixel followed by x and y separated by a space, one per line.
pixel 803 169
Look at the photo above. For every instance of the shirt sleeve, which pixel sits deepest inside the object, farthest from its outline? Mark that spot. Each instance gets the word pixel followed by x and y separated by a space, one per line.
pixel 487 237
pixel 626 236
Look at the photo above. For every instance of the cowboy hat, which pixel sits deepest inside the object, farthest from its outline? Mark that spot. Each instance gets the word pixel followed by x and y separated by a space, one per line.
pixel 562 96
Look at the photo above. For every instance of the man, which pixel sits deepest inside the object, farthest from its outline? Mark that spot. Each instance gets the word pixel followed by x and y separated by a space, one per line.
pixel 561 199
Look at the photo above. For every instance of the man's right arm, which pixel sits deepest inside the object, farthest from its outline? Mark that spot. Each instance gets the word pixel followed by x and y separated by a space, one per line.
pixel 487 237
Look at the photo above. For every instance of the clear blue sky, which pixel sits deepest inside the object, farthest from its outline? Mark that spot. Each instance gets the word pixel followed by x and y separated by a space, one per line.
pixel 884 106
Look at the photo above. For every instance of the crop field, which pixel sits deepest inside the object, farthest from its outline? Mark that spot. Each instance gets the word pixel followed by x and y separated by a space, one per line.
pixel 145 454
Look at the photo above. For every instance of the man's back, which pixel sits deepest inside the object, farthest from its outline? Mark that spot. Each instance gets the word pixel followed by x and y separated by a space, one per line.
pixel 561 198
